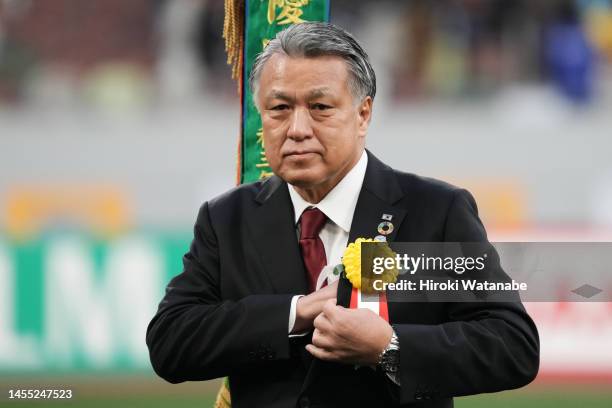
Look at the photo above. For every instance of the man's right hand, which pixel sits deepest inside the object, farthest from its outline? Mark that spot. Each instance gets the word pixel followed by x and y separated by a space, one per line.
pixel 310 306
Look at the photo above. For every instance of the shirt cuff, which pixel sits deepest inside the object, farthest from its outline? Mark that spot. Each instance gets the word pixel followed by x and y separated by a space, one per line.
pixel 292 316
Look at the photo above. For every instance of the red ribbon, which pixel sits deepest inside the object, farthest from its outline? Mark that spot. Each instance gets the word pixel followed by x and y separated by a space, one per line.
pixel 383 308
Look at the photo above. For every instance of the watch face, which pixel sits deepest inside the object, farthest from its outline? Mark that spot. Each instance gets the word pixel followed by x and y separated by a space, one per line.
pixel 390 360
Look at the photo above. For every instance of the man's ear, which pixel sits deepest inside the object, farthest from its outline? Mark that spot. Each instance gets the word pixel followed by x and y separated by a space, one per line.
pixel 364 110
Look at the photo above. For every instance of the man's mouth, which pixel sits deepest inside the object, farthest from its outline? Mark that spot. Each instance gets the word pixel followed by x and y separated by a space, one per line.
pixel 298 153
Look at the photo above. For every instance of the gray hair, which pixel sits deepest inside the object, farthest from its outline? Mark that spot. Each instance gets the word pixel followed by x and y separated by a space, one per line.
pixel 315 39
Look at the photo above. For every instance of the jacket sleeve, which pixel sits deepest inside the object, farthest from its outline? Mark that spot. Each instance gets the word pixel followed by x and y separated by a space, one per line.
pixel 197 335
pixel 482 346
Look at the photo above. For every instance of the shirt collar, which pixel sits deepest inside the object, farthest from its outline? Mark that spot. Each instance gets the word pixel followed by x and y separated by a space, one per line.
pixel 339 204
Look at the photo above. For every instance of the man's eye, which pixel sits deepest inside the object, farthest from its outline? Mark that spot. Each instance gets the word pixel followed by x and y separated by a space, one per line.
pixel 320 106
pixel 280 107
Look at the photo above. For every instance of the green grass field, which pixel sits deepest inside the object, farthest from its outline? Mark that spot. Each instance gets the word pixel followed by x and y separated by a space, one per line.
pixel 136 392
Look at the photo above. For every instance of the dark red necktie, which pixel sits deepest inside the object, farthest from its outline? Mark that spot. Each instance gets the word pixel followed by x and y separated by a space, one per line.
pixel 313 251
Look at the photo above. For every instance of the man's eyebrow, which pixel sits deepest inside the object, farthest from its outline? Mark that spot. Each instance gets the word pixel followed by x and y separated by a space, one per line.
pixel 315 93
pixel 275 94
pixel 319 92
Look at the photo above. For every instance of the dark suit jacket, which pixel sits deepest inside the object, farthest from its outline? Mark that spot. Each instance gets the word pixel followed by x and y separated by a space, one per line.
pixel 227 313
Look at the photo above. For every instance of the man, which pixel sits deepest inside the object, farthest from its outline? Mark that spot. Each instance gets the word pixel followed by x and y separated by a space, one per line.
pixel 256 300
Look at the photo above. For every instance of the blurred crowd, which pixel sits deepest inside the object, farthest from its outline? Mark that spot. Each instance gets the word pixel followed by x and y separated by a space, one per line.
pixel 118 53
pixel 473 47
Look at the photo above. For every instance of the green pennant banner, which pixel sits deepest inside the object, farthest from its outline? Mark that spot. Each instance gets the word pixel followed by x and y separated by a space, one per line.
pixel 263 19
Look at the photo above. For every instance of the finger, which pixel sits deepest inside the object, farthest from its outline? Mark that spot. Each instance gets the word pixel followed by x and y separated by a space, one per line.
pixel 331 289
pixel 330 308
pixel 320 353
pixel 322 323
pixel 321 341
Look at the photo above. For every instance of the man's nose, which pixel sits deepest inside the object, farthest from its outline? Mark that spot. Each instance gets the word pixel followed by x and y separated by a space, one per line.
pixel 300 126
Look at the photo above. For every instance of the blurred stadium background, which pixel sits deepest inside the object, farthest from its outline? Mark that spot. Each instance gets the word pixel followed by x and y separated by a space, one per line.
pixel 119 118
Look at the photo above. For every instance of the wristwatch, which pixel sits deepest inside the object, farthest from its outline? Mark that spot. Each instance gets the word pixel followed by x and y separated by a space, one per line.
pixel 389 358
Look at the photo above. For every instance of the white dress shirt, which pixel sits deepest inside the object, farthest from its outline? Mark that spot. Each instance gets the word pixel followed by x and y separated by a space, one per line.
pixel 339 206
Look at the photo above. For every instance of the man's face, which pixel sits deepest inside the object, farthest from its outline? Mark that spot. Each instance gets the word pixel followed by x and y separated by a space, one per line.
pixel 314 131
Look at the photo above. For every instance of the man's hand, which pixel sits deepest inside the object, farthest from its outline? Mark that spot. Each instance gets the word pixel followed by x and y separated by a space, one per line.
pixel 349 335
pixel 310 306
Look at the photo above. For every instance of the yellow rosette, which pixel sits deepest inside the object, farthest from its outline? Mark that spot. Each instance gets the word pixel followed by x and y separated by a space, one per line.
pixel 364 280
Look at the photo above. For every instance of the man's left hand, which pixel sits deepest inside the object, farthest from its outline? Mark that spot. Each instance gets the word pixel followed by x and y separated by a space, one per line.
pixel 352 336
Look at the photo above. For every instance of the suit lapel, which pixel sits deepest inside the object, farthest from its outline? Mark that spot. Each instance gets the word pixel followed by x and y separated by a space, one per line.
pixel 273 230
pixel 379 192
pixel 368 216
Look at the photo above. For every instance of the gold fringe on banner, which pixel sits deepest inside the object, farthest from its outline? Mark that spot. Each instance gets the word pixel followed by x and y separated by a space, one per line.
pixel 233 33
pixel 223 397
